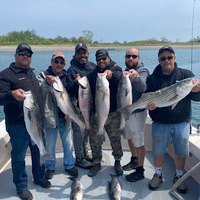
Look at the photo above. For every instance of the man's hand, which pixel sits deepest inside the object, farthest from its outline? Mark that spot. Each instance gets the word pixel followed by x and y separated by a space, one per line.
pixel 50 79
pixel 196 88
pixel 109 74
pixel 151 106
pixel 18 94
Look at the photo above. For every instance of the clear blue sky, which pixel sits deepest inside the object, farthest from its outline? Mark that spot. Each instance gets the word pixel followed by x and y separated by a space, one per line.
pixel 109 20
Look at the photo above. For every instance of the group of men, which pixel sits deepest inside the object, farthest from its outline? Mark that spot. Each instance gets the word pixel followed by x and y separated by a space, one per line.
pixel 167 123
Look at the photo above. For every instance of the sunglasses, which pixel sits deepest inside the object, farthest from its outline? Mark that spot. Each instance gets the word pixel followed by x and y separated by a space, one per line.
pixel 166 58
pixel 24 54
pixel 133 56
pixel 102 58
pixel 57 61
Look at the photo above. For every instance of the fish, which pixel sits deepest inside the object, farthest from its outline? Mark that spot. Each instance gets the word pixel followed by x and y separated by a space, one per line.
pixel 65 104
pixel 124 98
pixel 102 104
pixel 114 188
pixel 77 190
pixel 168 96
pixel 85 101
pixel 33 123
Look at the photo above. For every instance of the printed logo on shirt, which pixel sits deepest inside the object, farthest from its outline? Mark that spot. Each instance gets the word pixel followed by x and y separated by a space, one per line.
pixel 22 78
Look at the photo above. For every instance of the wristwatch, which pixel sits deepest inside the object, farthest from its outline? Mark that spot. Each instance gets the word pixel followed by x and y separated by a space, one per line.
pixel 137 78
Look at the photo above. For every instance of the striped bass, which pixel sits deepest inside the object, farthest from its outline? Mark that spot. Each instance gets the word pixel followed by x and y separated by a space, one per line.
pixel 33 122
pixel 65 104
pixel 85 101
pixel 124 98
pixel 77 190
pixel 114 188
pixel 102 102
pixel 168 96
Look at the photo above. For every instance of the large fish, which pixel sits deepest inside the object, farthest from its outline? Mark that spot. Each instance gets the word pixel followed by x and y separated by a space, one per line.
pixel 65 104
pixel 102 103
pixel 77 190
pixel 85 101
pixel 33 122
pixel 114 188
pixel 168 96
pixel 124 98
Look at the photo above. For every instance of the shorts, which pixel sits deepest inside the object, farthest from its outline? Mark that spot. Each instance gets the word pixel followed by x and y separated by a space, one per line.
pixel 134 128
pixel 161 134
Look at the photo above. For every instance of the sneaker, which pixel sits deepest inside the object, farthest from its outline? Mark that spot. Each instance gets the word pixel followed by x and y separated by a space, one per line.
pixel 136 176
pixel 87 155
pixel 25 195
pixel 49 174
pixel 72 172
pixel 83 163
pixel 94 170
pixel 43 183
pixel 133 164
pixel 155 181
pixel 118 168
pixel 182 188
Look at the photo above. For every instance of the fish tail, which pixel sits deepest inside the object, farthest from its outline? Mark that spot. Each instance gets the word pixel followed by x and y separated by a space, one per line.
pixel 46 156
pixel 101 136
pixel 120 132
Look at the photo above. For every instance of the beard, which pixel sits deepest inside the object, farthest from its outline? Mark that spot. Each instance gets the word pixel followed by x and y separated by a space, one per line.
pixel 131 64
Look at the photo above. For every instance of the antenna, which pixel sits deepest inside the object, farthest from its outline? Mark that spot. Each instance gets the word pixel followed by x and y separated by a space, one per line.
pixel 192 45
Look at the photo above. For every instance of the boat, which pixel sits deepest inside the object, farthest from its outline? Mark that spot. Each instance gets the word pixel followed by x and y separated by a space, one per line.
pixel 97 187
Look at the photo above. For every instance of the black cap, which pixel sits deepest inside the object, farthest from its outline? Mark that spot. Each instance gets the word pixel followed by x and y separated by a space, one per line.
pixel 22 47
pixel 101 52
pixel 80 46
pixel 168 48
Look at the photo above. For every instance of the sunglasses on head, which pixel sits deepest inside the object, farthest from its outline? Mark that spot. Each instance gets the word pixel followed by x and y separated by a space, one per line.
pixel 101 58
pixel 166 58
pixel 57 61
pixel 133 56
pixel 24 54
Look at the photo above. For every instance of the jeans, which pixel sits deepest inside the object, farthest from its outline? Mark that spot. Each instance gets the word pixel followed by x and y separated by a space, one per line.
pixel 161 134
pixel 66 138
pixel 20 140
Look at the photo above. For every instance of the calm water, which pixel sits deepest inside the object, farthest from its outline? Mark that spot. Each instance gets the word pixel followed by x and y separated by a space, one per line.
pixel 41 60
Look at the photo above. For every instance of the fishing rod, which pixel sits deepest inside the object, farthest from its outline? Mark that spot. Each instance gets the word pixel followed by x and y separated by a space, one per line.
pixel 192 44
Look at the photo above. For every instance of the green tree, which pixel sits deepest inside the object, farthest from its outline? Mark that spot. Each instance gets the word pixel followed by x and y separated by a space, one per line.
pixel 88 36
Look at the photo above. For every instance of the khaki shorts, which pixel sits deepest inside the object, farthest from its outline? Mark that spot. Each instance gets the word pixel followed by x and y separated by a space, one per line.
pixel 134 128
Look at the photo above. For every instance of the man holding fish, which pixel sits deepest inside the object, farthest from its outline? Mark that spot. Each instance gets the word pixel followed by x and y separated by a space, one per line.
pixel 54 118
pixel 134 126
pixel 15 80
pixel 174 120
pixel 80 66
pixel 104 82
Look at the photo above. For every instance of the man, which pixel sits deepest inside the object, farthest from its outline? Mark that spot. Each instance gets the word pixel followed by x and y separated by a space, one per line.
pixel 169 122
pixel 14 81
pixel 54 118
pixel 135 125
pixel 80 66
pixel 105 64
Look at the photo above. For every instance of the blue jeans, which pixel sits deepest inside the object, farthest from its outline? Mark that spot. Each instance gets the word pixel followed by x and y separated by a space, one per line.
pixel 66 138
pixel 20 140
pixel 161 134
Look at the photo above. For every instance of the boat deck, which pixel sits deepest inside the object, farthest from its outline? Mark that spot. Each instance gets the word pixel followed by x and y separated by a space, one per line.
pixel 96 187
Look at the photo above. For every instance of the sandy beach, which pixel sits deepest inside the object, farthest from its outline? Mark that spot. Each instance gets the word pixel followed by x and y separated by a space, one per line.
pixel 53 48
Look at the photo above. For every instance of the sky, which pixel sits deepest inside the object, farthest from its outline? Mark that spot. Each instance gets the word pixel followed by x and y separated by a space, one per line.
pixel 109 20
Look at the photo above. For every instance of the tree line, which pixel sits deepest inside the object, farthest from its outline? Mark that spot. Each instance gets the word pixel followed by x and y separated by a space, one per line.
pixel 30 37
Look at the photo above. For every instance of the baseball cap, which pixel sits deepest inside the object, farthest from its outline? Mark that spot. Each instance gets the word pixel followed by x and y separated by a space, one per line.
pixel 168 48
pixel 58 54
pixel 22 47
pixel 101 52
pixel 80 46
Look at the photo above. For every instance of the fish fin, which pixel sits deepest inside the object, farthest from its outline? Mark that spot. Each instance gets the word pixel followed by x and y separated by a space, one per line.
pixel 121 132
pixel 173 105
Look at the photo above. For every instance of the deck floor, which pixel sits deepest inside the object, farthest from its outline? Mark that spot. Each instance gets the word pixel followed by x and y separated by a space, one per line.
pixel 96 187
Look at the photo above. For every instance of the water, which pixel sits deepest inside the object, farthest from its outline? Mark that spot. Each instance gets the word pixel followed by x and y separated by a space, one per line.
pixel 41 60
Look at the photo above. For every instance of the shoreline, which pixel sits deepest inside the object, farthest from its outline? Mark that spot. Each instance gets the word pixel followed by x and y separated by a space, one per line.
pixel 54 48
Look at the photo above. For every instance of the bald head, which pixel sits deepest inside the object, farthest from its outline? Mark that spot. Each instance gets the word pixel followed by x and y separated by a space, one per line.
pixel 132 58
